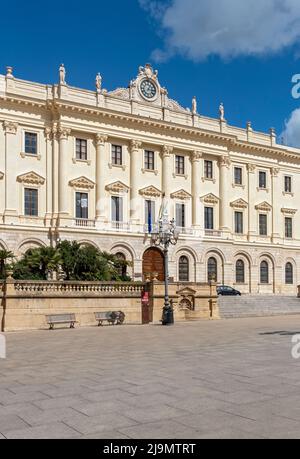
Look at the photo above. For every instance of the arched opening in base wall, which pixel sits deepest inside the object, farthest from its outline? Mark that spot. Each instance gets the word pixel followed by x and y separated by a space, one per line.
pixel 153 264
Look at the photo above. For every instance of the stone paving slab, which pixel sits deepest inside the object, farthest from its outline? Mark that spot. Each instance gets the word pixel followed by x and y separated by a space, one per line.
pixel 222 379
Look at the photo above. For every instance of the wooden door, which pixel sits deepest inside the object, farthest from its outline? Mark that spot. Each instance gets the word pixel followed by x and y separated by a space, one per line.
pixel 153 262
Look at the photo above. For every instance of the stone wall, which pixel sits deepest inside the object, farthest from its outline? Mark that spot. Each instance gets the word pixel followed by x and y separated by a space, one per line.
pixel 25 304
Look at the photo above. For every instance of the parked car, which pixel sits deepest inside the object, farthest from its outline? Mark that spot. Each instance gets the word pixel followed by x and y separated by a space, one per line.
pixel 224 290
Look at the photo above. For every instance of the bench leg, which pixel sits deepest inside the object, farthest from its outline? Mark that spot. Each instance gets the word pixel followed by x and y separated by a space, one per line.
pixel 100 323
pixel 51 327
pixel 72 325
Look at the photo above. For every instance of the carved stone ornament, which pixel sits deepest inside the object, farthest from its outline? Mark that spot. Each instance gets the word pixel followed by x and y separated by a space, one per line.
pixel 275 171
pixel 251 168
pixel 181 195
pixel 10 127
pixel 64 132
pixel 101 139
pixel 31 178
pixel 264 207
pixel 135 145
pixel 167 150
pixel 239 204
pixel 150 192
pixel 196 156
pixel 117 187
pixel 289 211
pixel 82 183
pixel 224 161
pixel 210 199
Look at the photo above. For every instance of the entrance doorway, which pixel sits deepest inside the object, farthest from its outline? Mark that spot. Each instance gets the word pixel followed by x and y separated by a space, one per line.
pixel 153 264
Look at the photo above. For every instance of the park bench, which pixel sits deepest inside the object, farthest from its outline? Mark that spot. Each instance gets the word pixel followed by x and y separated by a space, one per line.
pixel 54 319
pixel 112 317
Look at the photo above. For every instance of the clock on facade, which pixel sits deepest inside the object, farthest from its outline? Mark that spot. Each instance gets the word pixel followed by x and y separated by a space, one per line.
pixel 148 89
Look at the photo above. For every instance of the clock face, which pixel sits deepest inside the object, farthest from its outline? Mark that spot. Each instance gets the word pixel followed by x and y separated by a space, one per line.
pixel 148 89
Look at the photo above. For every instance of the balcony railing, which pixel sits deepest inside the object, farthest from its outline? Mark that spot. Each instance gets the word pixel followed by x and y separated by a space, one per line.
pixel 120 226
pixel 84 223
pixel 213 233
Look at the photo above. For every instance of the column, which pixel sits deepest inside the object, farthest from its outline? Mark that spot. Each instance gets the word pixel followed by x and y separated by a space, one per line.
pixel 252 216
pixel 11 150
pixel 100 177
pixel 167 170
pixel 48 135
pixel 276 211
pixel 225 183
pixel 55 171
pixel 63 195
pixel 196 189
pixel 135 168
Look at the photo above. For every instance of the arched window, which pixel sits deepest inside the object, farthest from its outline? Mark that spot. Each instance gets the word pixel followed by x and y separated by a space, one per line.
pixel 240 272
pixel 264 272
pixel 289 274
pixel 122 268
pixel 184 275
pixel 212 270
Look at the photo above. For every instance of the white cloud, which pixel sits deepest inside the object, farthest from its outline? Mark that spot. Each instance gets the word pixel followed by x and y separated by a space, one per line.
pixel 227 28
pixel 291 134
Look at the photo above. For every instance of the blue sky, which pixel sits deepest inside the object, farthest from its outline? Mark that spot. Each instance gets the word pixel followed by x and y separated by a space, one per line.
pixel 219 55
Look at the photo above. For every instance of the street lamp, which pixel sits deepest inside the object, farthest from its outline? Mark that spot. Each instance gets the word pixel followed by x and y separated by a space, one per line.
pixel 166 234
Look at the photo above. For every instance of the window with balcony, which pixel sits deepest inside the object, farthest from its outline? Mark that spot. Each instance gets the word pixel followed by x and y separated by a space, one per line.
pixel 31 202
pixel 263 225
pixel 116 155
pixel 288 227
pixel 179 165
pixel 149 160
pixel 31 143
pixel 81 149
pixel 209 218
pixel 117 210
pixel 180 215
pixel 238 222
pixel 82 206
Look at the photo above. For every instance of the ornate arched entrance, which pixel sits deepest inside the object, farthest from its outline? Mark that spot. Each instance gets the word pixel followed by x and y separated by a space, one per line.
pixel 153 264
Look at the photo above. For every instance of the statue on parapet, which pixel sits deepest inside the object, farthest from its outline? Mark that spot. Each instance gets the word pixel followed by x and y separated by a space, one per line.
pixel 98 82
pixel 62 74
pixel 194 106
pixel 222 112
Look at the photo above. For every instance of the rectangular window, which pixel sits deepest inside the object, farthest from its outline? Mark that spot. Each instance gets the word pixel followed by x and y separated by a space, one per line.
pixel 262 179
pixel 208 169
pixel 180 215
pixel 116 155
pixel 263 225
pixel 31 202
pixel 82 205
pixel 149 213
pixel 288 227
pixel 179 165
pixel 209 218
pixel 238 222
pixel 116 209
pixel 81 149
pixel 31 143
pixel 149 160
pixel 287 184
pixel 238 176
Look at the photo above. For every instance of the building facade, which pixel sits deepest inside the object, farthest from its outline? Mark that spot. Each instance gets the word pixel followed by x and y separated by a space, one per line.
pixel 93 166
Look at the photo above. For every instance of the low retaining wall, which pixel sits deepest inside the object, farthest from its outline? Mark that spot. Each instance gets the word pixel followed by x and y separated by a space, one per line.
pixel 25 304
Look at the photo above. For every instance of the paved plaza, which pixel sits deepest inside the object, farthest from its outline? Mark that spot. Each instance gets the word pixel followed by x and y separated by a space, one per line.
pixel 223 379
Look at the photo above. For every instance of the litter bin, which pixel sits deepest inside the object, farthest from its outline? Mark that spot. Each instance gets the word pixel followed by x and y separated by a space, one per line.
pixel 168 315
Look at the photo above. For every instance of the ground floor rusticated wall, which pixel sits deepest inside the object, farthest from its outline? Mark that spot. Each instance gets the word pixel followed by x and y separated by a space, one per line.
pixel 24 305
pixel 198 252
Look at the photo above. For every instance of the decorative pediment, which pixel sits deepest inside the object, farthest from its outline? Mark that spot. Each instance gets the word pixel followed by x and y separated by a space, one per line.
pixel 186 292
pixel 288 211
pixel 1 175
pixel 117 187
pixel 210 199
pixel 151 192
pixel 264 207
pixel 181 194
pixel 82 183
pixel 31 178
pixel 239 204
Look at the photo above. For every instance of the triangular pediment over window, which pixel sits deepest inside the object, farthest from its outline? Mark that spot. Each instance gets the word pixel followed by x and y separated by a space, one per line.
pixel 181 194
pixel 150 192
pixel 239 204
pixel 31 178
pixel 287 211
pixel 210 199
pixel 117 187
pixel 82 183
pixel 264 207
pixel 186 291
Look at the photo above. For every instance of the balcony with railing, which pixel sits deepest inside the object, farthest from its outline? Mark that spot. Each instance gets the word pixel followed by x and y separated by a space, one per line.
pixel 213 233
pixel 84 223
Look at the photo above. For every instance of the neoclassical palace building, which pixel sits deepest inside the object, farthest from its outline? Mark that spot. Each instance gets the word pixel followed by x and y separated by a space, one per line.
pixel 93 166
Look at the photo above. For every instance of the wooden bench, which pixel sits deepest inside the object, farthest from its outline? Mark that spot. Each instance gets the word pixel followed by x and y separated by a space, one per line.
pixel 112 317
pixel 54 319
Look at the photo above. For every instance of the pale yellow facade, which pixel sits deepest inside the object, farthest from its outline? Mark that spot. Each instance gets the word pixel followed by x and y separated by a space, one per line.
pixel 142 118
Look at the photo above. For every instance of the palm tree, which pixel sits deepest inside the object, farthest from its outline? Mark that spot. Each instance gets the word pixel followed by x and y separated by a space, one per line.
pixel 4 256
pixel 45 259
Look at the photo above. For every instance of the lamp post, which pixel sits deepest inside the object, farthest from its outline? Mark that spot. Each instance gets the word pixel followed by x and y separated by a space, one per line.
pixel 165 235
